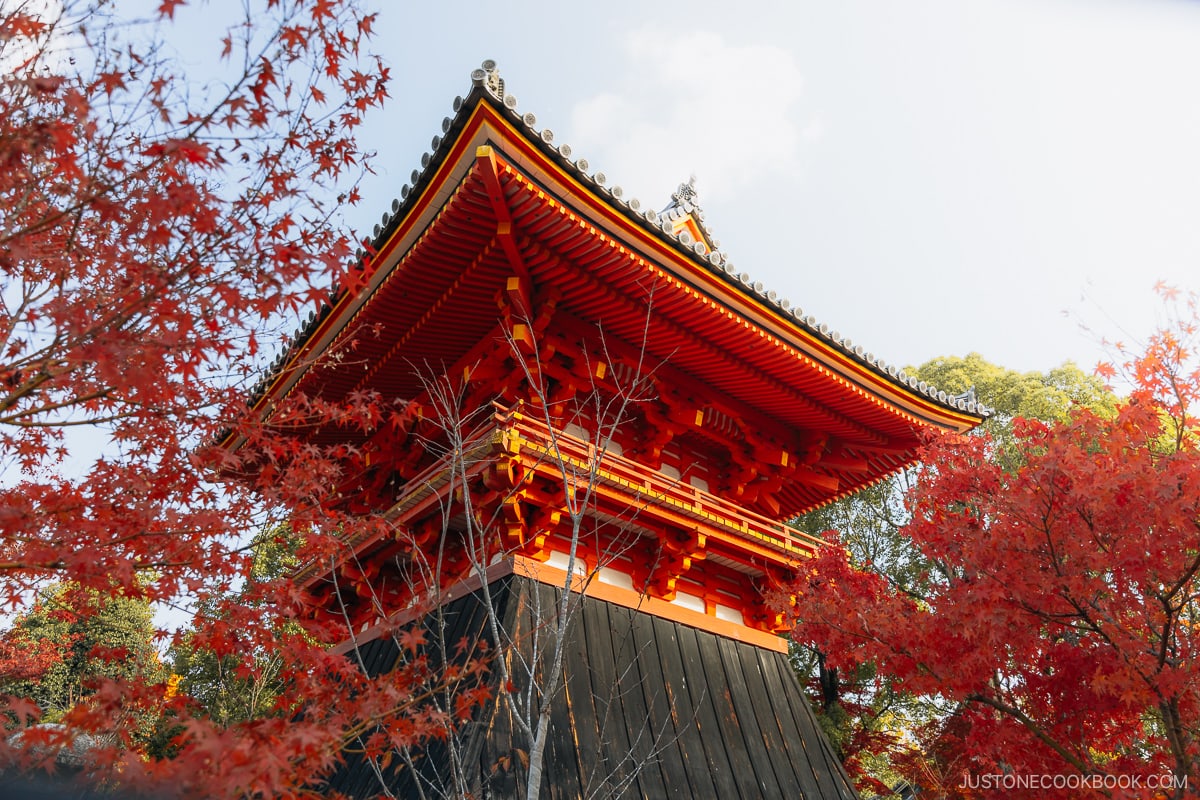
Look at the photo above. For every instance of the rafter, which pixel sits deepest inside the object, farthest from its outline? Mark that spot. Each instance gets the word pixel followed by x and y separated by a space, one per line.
pixel 490 171
pixel 747 375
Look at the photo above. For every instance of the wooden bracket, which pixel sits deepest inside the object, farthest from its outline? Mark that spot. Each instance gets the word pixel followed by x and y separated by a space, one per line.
pixel 490 172
pixel 680 550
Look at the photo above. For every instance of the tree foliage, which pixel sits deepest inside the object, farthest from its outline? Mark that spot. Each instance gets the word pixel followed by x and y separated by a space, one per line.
pixel 870 521
pixel 218 682
pixel 1059 570
pixel 82 638
pixel 149 224
pixel 865 714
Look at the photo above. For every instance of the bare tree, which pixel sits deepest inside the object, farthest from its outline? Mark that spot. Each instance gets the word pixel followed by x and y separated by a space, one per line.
pixel 567 432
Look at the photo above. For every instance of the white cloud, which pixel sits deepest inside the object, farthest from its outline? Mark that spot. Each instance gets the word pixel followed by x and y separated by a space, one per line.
pixel 692 102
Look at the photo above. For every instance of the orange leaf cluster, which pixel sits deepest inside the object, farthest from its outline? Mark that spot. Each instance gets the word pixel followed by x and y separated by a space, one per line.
pixel 148 241
pixel 1062 618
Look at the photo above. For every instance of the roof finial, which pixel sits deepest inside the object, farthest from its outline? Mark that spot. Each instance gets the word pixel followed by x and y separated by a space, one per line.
pixel 489 77
pixel 685 218
pixel 686 193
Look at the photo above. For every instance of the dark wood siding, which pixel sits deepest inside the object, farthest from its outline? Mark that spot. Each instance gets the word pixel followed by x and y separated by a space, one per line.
pixel 649 708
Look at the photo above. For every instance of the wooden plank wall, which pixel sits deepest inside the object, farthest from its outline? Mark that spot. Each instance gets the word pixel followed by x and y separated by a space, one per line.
pixel 649 708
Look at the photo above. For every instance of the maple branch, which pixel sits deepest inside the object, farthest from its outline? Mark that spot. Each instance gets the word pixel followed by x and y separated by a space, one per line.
pixel 19 420
pixel 1173 723
pixel 1192 570
pixel 1168 625
pixel 1037 730
pixel 31 566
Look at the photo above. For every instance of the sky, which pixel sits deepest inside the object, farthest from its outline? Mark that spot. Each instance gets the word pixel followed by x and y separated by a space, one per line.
pixel 932 177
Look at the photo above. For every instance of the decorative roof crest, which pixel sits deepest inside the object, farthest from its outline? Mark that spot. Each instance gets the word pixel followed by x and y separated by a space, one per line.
pixel 686 194
pixel 685 216
pixel 488 76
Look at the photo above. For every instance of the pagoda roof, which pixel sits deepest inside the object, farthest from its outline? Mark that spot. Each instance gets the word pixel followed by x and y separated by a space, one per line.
pixel 496 194
pixel 488 88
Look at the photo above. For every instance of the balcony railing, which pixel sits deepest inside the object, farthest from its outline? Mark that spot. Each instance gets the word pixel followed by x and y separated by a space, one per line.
pixel 727 527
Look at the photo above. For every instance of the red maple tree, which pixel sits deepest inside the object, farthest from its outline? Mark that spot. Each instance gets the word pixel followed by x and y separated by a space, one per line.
pixel 149 225
pixel 1064 593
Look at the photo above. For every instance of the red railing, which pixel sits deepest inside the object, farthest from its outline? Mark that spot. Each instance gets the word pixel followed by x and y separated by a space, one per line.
pixel 560 453
pixel 513 433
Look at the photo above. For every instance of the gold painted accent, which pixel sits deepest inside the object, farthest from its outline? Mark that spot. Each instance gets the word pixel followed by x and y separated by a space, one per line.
pixel 523 337
pixel 581 467
pixel 688 223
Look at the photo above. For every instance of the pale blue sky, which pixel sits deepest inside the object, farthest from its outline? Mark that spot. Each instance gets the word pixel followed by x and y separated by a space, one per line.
pixel 928 177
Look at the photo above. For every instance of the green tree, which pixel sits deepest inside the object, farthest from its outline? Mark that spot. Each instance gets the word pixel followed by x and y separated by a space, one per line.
pixel 1048 396
pixel 865 714
pixel 80 639
pixel 234 688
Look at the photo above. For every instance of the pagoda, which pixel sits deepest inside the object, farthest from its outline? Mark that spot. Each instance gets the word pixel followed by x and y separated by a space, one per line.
pixel 605 428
